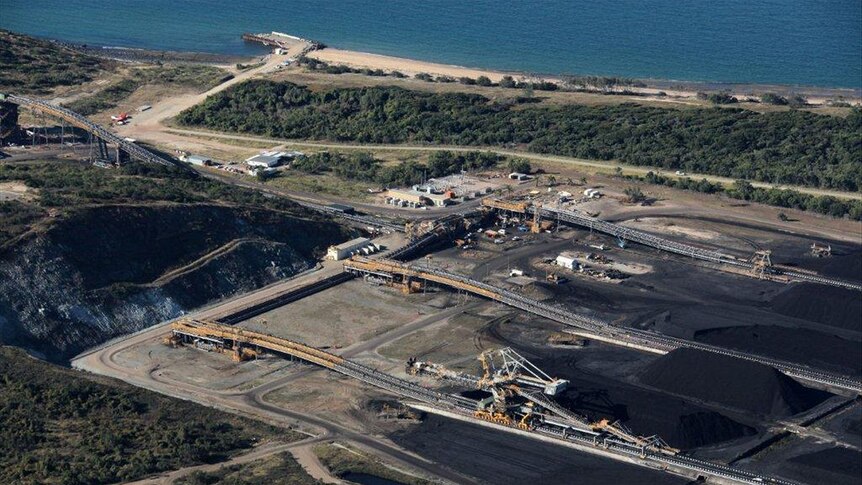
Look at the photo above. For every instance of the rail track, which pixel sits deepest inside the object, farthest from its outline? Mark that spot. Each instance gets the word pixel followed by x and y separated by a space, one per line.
pixel 641 237
pixel 592 326
pixel 633 235
pixel 135 151
pixel 233 337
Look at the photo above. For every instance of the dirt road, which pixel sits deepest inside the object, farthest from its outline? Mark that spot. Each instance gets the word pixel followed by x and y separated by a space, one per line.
pixel 607 166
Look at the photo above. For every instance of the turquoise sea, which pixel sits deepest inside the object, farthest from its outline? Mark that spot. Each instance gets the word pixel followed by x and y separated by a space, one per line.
pixel 805 42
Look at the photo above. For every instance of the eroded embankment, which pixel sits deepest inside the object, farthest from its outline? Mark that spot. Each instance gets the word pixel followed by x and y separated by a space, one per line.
pixel 105 271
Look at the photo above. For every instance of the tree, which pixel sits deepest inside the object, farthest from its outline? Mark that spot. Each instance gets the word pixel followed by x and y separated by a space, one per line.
pixel 528 90
pixel 484 81
pixel 772 98
pixel 508 82
pixel 552 181
pixel 634 195
pixel 263 175
pixel 520 165
pixel 618 171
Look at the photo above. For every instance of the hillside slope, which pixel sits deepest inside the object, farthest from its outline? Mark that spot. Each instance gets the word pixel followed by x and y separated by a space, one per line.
pixel 106 264
pixel 60 426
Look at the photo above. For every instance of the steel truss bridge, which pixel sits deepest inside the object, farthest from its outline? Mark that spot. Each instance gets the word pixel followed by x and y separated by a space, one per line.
pixel 227 337
pixel 104 136
pixel 588 326
pixel 628 234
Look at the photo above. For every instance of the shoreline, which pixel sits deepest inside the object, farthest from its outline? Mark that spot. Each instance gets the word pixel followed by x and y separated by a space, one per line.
pixel 674 89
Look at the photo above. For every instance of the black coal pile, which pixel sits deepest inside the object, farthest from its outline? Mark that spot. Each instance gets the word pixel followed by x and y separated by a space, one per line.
pixel 836 307
pixel 833 466
pixel 682 424
pixel 817 349
pixel 728 381
pixel 497 457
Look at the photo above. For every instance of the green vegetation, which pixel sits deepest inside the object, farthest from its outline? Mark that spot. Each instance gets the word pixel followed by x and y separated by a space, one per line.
pixel 362 166
pixel 520 165
pixel 634 195
pixel 601 83
pixel 65 185
pixel 280 469
pixel 245 67
pixel 59 426
pixel 190 76
pixel 321 66
pixel 723 97
pixel 787 147
pixel 30 65
pixel 743 190
pixel 16 217
pixel 342 461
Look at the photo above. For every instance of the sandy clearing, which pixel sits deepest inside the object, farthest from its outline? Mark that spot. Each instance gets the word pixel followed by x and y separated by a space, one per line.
pixel 305 456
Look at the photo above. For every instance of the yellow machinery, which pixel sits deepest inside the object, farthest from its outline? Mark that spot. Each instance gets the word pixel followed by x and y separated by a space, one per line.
pixel 506 205
pixel 762 261
pixel 246 338
pixel 409 274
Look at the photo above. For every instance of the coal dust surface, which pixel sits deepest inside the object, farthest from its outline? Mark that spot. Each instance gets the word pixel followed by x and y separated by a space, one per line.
pixel 830 466
pixel 799 345
pixel 503 458
pixel 835 307
pixel 728 381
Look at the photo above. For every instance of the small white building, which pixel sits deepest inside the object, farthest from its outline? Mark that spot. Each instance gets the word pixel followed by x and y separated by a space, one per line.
pixel 519 176
pixel 344 250
pixel 567 261
pixel 266 159
pixel 199 160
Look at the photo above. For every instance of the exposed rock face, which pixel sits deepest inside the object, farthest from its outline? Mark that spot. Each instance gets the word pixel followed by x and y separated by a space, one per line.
pixel 9 129
pixel 108 271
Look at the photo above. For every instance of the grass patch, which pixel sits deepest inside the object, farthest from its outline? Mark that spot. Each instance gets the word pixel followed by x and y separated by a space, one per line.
pixel 189 76
pixel 16 218
pixel 321 184
pixel 35 66
pixel 280 469
pixel 61 426
pixel 342 461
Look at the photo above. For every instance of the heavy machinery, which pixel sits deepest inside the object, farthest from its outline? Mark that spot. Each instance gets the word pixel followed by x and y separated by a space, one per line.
pixel 521 396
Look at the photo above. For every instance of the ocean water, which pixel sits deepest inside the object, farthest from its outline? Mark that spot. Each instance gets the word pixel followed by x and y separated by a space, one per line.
pixel 804 42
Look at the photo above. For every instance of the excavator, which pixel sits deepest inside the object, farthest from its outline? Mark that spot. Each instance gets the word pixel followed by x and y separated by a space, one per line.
pixel 522 396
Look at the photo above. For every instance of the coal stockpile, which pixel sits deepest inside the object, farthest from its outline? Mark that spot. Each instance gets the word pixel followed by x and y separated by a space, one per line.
pixel 740 384
pixel 836 307
pixel 499 457
pixel 830 466
pixel 804 346
pixel 683 425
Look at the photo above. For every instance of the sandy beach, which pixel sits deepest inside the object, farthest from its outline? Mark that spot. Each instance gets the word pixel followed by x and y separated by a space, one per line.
pixel 411 67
